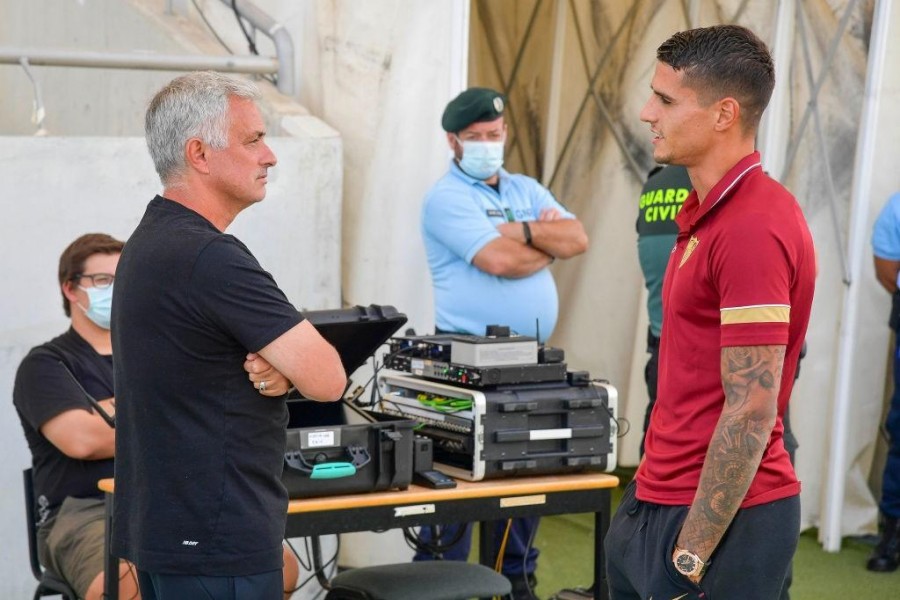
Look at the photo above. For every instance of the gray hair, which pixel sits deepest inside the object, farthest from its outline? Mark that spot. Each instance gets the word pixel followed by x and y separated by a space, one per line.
pixel 190 106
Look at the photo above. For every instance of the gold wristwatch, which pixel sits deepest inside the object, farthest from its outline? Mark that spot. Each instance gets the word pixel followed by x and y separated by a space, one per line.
pixel 687 563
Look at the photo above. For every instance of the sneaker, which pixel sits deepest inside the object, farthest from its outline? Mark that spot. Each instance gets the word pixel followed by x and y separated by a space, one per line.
pixel 523 587
pixel 577 593
pixel 886 556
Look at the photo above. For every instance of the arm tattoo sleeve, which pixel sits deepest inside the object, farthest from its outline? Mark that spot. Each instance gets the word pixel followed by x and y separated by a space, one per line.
pixel 751 379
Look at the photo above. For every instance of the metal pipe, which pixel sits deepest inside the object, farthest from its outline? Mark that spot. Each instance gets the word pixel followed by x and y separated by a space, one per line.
pixel 774 134
pixel 37 116
pixel 129 60
pixel 560 18
pixel 284 43
pixel 459 46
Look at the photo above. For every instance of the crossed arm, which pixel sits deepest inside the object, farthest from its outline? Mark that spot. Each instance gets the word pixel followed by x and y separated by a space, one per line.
pixel 551 237
pixel 886 270
pixel 751 378
pixel 82 434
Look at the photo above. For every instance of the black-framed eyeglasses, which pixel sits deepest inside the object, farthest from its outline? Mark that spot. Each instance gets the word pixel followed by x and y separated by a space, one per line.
pixel 99 280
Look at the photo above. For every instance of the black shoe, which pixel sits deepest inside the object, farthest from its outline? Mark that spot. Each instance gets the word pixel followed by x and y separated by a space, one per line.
pixel 886 556
pixel 576 593
pixel 523 587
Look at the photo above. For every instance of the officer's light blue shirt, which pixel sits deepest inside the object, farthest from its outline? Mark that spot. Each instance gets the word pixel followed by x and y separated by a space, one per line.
pixel 459 218
pixel 886 233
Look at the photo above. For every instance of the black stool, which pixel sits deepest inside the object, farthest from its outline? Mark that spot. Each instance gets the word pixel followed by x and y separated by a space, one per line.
pixel 426 580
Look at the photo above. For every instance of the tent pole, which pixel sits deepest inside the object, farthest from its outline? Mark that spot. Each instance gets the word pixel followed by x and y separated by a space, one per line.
pixel 459 46
pixel 775 131
pixel 560 18
pixel 858 249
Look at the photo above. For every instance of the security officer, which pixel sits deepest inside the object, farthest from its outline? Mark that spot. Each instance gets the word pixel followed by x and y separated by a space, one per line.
pixel 661 199
pixel 886 250
pixel 490 236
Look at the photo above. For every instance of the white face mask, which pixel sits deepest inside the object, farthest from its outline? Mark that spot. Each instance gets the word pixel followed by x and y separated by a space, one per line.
pixel 481 160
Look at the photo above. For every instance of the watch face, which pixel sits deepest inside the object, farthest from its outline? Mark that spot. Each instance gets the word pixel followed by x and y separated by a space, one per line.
pixel 685 563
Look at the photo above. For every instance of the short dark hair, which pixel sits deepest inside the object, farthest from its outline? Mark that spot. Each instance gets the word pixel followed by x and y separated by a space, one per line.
pixel 724 60
pixel 71 262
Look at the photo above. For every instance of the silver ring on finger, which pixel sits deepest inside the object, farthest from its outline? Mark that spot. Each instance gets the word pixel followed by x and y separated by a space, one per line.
pixel 262 386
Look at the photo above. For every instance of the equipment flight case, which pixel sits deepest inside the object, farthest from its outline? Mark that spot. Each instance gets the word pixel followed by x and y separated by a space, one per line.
pixel 324 456
pixel 491 432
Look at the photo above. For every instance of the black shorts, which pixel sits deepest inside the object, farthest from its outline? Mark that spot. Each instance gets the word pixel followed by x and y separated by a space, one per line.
pixel 750 562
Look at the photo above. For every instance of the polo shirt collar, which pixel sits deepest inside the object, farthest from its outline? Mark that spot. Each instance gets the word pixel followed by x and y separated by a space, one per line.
pixel 693 212
pixel 454 168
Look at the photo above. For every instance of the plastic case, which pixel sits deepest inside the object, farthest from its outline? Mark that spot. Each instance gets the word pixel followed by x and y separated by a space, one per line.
pixel 323 455
pixel 348 459
pixel 526 429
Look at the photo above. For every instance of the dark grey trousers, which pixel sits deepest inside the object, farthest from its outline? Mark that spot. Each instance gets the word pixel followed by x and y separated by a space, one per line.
pixel 750 563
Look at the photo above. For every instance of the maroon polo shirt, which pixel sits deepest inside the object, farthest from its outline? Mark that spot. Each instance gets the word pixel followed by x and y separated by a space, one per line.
pixel 742 273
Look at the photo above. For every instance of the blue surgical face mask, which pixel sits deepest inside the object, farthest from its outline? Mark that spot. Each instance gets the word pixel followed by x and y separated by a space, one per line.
pixel 100 306
pixel 481 160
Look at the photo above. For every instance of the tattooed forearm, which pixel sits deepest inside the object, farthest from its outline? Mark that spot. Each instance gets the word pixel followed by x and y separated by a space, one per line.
pixel 751 379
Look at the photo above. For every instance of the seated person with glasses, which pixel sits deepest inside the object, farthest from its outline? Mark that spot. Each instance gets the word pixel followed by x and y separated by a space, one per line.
pixel 64 396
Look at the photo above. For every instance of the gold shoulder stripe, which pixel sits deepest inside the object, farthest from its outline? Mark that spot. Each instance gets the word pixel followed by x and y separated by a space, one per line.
pixel 772 313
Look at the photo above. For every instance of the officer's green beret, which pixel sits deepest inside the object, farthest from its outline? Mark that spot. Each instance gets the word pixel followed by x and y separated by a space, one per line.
pixel 473 106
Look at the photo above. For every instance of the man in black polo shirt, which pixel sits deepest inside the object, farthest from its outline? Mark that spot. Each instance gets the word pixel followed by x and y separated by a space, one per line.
pixel 200 508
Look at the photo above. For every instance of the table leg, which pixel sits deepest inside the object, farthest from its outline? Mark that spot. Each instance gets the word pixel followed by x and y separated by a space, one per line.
pixel 486 553
pixel 111 568
pixel 601 526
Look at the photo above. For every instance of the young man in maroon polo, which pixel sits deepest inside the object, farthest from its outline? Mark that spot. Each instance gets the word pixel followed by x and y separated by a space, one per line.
pixel 714 509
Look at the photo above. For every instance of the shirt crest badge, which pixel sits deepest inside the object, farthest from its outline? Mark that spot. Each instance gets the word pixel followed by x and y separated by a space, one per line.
pixel 688 250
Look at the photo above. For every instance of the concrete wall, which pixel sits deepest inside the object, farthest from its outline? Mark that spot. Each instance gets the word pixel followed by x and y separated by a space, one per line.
pixel 92 173
pixel 59 188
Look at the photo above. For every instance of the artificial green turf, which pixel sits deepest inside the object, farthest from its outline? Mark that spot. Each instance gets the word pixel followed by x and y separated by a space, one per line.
pixel 566 545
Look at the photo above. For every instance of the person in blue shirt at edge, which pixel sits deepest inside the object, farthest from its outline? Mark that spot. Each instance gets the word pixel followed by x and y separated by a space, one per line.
pixel 490 236
pixel 886 250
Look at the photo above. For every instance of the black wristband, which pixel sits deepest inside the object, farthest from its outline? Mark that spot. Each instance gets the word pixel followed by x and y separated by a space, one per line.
pixel 526 229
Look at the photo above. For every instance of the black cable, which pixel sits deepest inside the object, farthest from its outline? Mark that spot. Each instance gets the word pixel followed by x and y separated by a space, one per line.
pixel 435 548
pixel 333 559
pixel 211 28
pixel 137 586
pixel 250 45
pixel 623 430
pixel 377 367
pixel 531 537
pixel 297 555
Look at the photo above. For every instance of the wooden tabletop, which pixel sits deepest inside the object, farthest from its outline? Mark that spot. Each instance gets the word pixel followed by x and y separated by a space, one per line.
pixel 519 486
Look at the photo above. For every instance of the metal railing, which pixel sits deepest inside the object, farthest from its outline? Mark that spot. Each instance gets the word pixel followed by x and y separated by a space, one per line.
pixel 282 65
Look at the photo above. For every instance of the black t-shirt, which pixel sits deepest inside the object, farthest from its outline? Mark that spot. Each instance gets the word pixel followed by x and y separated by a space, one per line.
pixel 44 390
pixel 199 450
